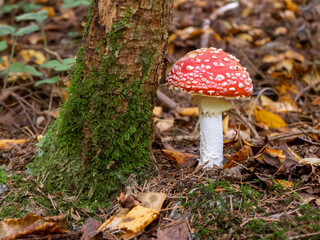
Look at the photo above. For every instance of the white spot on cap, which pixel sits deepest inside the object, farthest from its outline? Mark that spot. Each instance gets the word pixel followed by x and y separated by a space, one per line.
pixel 228 75
pixel 224 84
pixel 203 79
pixel 211 76
pixel 192 55
pixel 221 64
pixel 238 74
pixel 219 77
pixel 198 60
pixel 207 60
pixel 216 64
pixel 226 59
pixel 214 57
pixel 232 89
pixel 200 91
pixel 211 92
pixel 241 85
pixel 208 67
pixel 190 67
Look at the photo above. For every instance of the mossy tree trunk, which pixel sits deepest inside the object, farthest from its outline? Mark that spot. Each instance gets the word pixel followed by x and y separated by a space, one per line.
pixel 103 133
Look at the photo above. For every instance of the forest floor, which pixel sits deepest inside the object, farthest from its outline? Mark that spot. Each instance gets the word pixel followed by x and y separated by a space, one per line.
pixel 269 187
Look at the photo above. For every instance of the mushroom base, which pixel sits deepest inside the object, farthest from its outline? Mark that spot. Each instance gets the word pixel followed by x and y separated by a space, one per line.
pixel 211 133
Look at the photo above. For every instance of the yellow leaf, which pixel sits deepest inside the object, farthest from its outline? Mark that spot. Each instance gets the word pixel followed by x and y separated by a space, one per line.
pixel 225 124
pixel 191 111
pixel 294 55
pixel 268 118
pixel 137 219
pixel 275 153
pixel 157 111
pixel 51 11
pixel 283 183
pixel 280 31
pixel 6 144
pixel 32 55
pixel 245 37
pixel 164 124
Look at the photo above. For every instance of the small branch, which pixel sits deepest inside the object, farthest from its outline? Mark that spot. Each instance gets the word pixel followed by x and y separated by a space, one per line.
pixel 166 100
pixel 295 133
pixel 247 123
pixel 304 236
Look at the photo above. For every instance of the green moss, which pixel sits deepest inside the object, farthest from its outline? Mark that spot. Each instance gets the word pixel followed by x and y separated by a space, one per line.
pixel 103 133
pixel 209 203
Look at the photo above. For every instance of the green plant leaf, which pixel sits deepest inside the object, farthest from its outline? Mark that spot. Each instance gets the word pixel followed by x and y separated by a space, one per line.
pixel 38 16
pixel 74 3
pixel 3 175
pixel 9 7
pixel 5 29
pixel 3 45
pixel 19 67
pixel 47 81
pixel 25 30
pixel 29 7
pixel 57 66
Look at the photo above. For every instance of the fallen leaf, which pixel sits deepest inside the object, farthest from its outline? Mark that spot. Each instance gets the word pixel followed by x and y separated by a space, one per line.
pixel 283 183
pixel 268 118
pixel 275 153
pixel 239 156
pixel 176 230
pixel 6 144
pixel 312 78
pixel 157 111
pixel 225 124
pixel 31 225
pixel 190 111
pixel 164 124
pixel 127 201
pixel 280 31
pixel 311 161
pixel 183 160
pixel 90 228
pixel 32 55
pixel 51 11
pixel 152 200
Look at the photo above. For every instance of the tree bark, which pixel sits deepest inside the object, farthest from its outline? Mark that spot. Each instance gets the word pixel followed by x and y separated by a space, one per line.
pixel 103 133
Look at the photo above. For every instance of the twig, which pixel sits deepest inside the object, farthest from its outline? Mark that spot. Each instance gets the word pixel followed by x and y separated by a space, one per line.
pixel 220 11
pixel 181 138
pixel 307 235
pixel 294 133
pixel 166 100
pixel 54 54
pixel 25 112
pixel 204 41
pixel 247 122
pixel 258 97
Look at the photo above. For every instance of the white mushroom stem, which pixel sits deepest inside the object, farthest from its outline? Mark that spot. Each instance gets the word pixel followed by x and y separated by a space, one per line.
pixel 211 133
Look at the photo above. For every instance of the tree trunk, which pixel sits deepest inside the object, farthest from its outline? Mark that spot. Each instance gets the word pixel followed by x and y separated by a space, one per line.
pixel 103 133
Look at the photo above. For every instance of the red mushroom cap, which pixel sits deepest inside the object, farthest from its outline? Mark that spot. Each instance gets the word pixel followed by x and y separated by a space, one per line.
pixel 212 72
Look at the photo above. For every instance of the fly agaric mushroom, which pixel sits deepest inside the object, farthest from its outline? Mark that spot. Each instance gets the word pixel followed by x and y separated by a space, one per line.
pixel 213 77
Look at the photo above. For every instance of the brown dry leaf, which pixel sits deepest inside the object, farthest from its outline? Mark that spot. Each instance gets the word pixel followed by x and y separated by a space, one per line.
pixel 239 157
pixel 286 64
pixel 311 161
pixel 113 222
pixel 245 37
pixel 312 78
pixel 32 55
pixel 189 32
pixel 164 124
pixel 262 41
pixel 190 111
pixel 281 31
pixel 31 225
pixel 273 59
pixel 35 38
pixel 275 153
pixel 294 55
pixel 89 230
pixel 282 105
pixel 268 118
pixel 157 111
pixel 152 200
pixel 183 160
pixel 127 201
pixel 177 230
pixel 6 144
